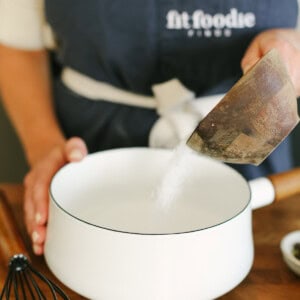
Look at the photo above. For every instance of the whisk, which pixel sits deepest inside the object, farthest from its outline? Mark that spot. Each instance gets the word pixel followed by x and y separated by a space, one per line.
pixel 22 281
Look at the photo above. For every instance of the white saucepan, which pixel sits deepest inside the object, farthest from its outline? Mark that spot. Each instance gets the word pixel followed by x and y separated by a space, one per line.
pixel 108 237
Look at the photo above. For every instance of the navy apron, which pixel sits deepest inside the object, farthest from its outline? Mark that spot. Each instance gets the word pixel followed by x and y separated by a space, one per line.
pixel 135 44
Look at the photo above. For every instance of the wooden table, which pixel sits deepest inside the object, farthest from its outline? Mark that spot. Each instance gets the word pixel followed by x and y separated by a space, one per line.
pixel 269 278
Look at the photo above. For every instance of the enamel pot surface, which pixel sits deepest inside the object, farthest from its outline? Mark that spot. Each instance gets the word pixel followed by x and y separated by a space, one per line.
pixel 110 238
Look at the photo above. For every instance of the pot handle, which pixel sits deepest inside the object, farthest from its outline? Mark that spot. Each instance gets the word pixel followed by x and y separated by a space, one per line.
pixel 286 184
pixel 275 187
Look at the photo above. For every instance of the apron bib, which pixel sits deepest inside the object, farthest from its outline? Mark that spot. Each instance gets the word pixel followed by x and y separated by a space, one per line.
pixel 135 44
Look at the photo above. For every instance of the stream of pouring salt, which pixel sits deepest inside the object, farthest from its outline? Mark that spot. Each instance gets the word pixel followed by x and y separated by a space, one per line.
pixel 173 179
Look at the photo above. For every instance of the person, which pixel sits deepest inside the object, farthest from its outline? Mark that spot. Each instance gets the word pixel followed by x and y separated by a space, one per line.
pixel 67 69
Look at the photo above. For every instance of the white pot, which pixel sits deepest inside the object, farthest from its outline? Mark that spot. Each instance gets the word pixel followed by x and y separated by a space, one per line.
pixel 108 239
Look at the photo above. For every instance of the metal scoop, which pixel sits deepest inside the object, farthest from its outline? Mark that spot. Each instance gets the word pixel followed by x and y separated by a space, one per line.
pixel 258 112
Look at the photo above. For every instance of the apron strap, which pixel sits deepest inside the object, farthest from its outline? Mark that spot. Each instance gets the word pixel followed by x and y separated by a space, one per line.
pixel 167 95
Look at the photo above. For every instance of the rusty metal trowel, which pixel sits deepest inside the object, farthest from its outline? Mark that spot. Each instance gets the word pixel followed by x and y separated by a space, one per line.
pixel 258 112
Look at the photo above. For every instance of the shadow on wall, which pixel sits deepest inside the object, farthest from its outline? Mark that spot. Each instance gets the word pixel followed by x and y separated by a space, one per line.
pixel 13 166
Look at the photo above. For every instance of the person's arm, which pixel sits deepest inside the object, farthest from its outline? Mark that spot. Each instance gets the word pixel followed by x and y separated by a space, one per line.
pixel 286 41
pixel 26 94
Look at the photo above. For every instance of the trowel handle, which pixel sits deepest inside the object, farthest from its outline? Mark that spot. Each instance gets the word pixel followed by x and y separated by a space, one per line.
pixel 286 184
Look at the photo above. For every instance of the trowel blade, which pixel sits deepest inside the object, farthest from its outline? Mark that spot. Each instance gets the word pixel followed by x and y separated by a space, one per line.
pixel 253 118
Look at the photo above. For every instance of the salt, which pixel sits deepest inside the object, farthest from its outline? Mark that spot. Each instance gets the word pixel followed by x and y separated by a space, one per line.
pixel 174 177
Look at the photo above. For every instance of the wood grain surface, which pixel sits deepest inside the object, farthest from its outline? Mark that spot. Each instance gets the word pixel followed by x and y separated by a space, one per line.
pixel 269 278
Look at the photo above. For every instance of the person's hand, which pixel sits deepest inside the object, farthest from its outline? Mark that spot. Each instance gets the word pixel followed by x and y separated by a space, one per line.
pixel 287 43
pixel 37 183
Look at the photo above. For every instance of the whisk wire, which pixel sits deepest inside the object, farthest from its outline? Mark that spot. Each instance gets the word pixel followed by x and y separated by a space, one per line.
pixel 51 285
pixel 21 280
pixel 28 285
pixel 35 286
pixel 7 285
pixel 15 285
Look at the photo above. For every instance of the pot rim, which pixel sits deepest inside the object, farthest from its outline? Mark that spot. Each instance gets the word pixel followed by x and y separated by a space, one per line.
pixel 65 211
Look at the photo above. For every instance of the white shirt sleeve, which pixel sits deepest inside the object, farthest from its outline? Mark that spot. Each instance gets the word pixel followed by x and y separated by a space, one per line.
pixel 21 24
